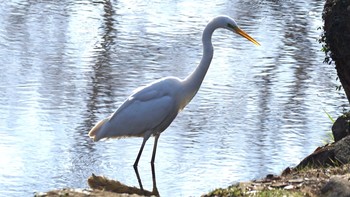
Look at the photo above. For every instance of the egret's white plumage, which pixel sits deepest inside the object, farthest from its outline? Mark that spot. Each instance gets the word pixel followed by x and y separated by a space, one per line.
pixel 148 111
pixel 151 109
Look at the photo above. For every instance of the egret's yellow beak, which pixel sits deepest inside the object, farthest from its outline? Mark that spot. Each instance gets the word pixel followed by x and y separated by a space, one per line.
pixel 242 33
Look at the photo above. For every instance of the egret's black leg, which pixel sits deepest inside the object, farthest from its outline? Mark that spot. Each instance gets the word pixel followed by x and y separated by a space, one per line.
pixel 140 152
pixel 138 177
pixel 155 148
pixel 155 190
pixel 137 161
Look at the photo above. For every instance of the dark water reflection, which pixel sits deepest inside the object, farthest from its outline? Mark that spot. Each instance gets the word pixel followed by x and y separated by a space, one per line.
pixel 67 64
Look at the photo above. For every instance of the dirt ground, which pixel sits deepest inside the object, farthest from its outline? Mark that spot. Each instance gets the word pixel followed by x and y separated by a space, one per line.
pixel 306 182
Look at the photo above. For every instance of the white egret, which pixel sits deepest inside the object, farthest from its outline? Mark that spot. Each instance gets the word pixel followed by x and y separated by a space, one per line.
pixel 151 109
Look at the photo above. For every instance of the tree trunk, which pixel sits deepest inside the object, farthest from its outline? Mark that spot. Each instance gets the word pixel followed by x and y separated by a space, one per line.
pixel 336 16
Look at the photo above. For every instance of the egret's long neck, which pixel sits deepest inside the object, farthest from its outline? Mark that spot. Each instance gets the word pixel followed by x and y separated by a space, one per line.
pixel 194 80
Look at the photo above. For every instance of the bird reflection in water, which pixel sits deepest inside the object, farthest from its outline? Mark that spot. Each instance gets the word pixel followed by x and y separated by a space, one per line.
pixel 108 185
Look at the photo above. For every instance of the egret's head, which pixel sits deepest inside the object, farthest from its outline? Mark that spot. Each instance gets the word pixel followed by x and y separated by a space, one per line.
pixel 230 24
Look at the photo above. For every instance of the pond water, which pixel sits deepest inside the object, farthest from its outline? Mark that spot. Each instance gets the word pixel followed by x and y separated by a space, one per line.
pixel 67 64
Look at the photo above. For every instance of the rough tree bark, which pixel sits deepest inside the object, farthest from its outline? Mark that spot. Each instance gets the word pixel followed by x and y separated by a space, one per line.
pixel 336 16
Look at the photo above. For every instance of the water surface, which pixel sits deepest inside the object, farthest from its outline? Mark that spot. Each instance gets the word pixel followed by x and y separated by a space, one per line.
pixel 67 64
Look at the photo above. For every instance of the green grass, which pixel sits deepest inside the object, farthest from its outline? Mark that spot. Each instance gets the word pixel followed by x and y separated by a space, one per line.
pixel 280 192
pixel 330 137
pixel 235 191
pixel 329 116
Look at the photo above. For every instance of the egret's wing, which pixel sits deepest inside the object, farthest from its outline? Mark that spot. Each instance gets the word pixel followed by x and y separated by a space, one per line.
pixel 144 96
pixel 145 111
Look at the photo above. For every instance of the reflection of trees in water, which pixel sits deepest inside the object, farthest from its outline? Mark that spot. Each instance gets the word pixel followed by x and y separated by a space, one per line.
pixel 102 84
pixel 102 78
pixel 294 56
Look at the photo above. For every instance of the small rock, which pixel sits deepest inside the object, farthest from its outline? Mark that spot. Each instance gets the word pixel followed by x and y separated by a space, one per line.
pixel 342 150
pixel 279 185
pixel 286 171
pixel 340 128
pixel 336 187
pixel 296 181
pixel 288 187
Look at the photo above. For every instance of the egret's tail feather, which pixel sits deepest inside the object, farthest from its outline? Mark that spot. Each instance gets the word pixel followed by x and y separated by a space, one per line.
pixel 95 132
